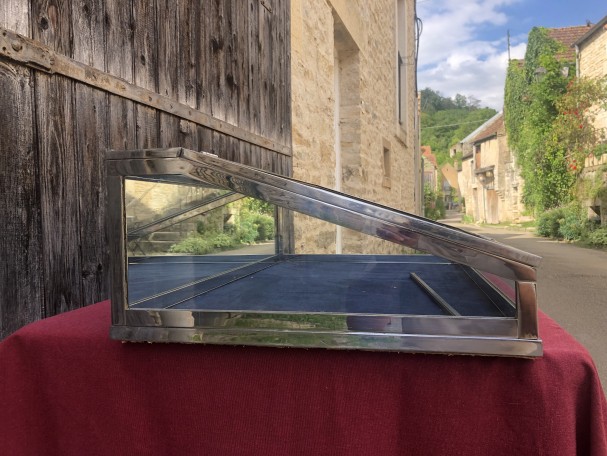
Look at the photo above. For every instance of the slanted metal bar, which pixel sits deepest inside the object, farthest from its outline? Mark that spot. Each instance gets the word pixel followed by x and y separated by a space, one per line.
pixel 434 295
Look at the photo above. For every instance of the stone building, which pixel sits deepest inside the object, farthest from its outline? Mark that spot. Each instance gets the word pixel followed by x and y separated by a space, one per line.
pixel 591 52
pixel 430 168
pixel 489 180
pixel 354 110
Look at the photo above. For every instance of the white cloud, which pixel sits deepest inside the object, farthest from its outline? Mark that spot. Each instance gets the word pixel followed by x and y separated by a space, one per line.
pixel 454 55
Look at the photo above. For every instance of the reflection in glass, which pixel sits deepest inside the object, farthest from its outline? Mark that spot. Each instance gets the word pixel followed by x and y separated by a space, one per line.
pixel 196 247
pixel 180 236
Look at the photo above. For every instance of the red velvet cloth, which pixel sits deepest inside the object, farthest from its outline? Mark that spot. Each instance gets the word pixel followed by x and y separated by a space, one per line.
pixel 67 389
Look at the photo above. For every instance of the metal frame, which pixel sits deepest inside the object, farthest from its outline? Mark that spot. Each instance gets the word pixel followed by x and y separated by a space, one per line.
pixel 516 336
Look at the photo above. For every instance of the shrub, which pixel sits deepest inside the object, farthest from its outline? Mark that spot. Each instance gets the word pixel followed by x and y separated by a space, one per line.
pixel 265 227
pixel 202 245
pixel 196 245
pixel 434 204
pixel 222 241
pixel 598 237
pixel 246 233
pixel 573 223
pixel 467 218
pixel 548 223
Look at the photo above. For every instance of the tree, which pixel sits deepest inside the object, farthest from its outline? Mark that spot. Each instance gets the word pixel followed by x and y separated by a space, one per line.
pixel 461 101
pixel 444 122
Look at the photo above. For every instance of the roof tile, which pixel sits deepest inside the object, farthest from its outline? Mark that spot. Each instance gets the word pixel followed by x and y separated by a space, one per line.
pixel 567 36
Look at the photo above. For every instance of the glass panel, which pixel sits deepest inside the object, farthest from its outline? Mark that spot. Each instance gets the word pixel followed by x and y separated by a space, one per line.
pixel 192 246
pixel 181 235
pixel 314 236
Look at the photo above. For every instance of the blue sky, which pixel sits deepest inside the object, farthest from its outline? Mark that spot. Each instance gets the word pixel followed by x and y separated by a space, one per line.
pixel 463 47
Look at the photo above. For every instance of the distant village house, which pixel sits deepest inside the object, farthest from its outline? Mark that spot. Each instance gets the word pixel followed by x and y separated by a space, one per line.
pixel 489 180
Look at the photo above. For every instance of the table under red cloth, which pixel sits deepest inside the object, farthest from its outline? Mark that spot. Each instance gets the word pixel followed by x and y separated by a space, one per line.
pixel 67 389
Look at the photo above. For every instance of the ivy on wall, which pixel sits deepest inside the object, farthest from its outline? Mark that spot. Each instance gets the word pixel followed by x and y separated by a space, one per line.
pixel 530 106
pixel 548 120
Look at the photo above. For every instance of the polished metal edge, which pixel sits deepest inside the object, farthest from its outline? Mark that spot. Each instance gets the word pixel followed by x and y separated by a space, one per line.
pixel 226 174
pixel 116 232
pixel 347 341
pixel 305 322
pixel 364 216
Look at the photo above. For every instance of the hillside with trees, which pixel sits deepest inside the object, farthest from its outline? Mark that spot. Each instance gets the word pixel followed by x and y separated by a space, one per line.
pixel 446 121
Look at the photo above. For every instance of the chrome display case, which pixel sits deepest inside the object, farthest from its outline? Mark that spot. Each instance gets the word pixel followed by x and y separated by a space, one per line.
pixel 181 226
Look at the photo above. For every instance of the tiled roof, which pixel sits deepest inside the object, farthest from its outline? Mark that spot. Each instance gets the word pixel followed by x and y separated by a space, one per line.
pixel 427 153
pixel 568 36
pixel 489 128
pixel 601 25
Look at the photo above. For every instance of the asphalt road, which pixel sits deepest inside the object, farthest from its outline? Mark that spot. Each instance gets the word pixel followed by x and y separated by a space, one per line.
pixel 572 286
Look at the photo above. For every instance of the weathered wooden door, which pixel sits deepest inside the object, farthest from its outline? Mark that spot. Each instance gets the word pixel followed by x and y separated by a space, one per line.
pixel 77 78
pixel 492 208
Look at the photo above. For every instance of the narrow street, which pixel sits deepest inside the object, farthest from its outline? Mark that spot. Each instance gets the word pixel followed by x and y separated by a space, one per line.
pixel 572 285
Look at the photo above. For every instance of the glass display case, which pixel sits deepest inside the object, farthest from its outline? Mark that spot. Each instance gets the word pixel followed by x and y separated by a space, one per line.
pixel 200 254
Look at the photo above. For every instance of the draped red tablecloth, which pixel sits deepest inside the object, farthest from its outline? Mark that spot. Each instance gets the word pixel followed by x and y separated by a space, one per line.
pixel 67 389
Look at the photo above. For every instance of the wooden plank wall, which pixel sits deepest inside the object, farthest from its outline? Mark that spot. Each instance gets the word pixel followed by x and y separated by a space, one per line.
pixel 226 58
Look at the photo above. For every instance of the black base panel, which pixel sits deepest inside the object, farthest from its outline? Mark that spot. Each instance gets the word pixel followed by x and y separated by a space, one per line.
pixel 359 284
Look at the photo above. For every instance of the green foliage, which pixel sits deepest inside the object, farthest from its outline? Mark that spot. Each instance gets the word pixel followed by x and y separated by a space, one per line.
pixel 515 99
pixel 566 222
pixel 574 127
pixel 548 223
pixel 446 121
pixel 467 218
pixel 265 227
pixel 199 245
pixel 597 238
pixel 259 206
pixel 573 223
pixel 255 223
pixel 548 121
pixel 434 204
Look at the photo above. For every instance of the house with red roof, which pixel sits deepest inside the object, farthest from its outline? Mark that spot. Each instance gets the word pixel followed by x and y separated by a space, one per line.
pixel 430 168
pixel 489 180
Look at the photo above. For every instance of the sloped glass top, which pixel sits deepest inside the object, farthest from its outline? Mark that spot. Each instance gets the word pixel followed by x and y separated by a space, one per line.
pixel 419 233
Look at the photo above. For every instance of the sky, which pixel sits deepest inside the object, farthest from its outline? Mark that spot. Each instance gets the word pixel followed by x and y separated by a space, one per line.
pixel 463 47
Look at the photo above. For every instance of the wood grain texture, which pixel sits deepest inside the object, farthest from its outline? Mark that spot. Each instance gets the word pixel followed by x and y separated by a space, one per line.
pixel 14 15
pixel 91 134
pixel 21 273
pixel 189 36
pixel 119 33
pixel 58 167
pixel 226 58
pixel 145 62
pixel 167 68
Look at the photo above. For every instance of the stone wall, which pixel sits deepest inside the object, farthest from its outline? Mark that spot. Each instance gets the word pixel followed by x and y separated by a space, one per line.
pixel 504 179
pixel 593 64
pixel 357 109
